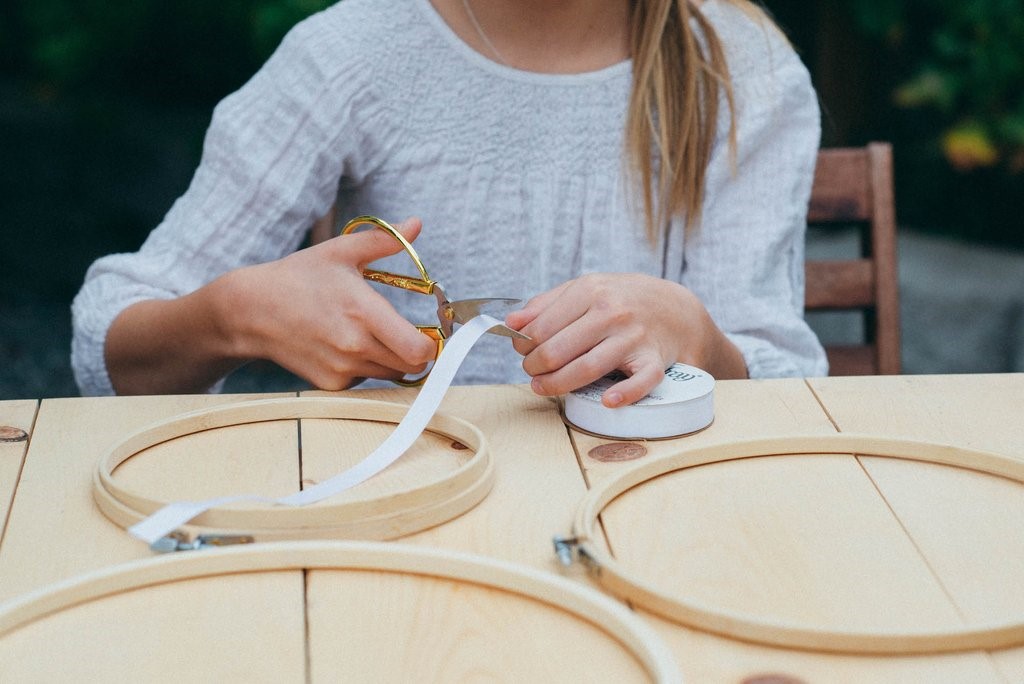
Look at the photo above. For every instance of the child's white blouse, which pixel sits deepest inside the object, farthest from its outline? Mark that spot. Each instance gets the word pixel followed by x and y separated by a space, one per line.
pixel 518 176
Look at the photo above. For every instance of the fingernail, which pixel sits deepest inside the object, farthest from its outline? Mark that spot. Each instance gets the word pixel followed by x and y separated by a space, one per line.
pixel 612 399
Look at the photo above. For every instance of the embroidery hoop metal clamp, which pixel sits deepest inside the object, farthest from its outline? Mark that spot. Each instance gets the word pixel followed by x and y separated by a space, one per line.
pixel 448 312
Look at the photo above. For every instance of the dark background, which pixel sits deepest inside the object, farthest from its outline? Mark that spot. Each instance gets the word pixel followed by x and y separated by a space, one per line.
pixel 103 107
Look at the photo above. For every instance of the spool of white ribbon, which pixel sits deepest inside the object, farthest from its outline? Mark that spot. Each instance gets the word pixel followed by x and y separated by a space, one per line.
pixel 175 514
pixel 683 402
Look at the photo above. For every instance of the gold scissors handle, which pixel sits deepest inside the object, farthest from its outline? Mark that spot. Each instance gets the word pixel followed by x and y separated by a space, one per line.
pixel 423 285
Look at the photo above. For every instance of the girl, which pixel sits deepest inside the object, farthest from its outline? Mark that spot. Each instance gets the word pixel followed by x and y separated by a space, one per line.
pixel 640 168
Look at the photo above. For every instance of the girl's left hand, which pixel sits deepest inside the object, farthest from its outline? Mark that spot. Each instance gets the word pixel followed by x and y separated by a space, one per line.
pixel 598 323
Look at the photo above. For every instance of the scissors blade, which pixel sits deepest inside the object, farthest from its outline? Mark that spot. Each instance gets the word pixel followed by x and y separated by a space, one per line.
pixel 463 310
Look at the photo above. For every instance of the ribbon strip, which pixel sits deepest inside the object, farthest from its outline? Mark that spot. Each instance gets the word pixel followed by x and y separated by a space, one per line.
pixel 175 514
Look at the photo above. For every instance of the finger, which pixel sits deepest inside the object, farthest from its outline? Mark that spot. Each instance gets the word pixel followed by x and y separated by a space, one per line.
pixel 369 244
pixel 405 343
pixel 410 228
pixel 568 343
pixel 634 388
pixel 386 373
pixel 521 318
pixel 339 379
pixel 369 328
pixel 534 307
pixel 365 355
pixel 381 353
pixel 583 370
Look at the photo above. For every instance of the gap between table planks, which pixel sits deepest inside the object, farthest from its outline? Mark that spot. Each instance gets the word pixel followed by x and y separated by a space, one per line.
pixel 249 459
pixel 966 524
pixel 925 408
pixel 18 415
pixel 55 532
pixel 781 537
pixel 537 484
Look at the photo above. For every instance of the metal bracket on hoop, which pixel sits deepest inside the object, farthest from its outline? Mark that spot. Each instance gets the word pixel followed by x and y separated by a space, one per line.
pixel 179 541
pixel 569 549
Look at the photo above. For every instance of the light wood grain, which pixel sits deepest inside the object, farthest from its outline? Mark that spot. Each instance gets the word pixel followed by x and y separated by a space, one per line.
pixel 54 515
pixel 743 409
pixel 798 538
pixel 966 525
pixel 56 532
pixel 423 501
pixel 748 511
pixel 536 486
pixel 707 658
pixel 401 628
pixel 537 481
pixel 238 628
pixel 677 603
pixel 339 560
pixel 20 415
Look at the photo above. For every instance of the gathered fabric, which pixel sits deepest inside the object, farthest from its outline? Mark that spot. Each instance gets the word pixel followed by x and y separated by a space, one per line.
pixel 378 107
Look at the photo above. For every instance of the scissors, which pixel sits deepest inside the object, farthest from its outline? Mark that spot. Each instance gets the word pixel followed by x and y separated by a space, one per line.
pixel 448 312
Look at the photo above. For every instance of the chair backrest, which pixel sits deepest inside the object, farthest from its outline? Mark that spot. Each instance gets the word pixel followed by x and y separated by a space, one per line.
pixel 854 187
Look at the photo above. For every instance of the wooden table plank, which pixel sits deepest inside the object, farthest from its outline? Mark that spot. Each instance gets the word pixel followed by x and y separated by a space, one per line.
pixel 966 524
pixel 743 409
pixel 805 539
pixel 707 658
pixel 538 482
pixel 747 510
pixel 240 628
pixel 402 628
pixel 16 415
pixel 56 532
pixel 974 411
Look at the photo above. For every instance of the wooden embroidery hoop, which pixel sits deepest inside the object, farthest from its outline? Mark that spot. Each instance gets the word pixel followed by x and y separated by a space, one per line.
pixel 601 611
pixel 392 515
pixel 692 613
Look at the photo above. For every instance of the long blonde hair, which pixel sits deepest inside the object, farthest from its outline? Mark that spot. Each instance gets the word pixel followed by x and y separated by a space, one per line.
pixel 674 105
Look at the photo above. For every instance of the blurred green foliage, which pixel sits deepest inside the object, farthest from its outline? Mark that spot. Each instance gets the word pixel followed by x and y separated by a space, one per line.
pixel 183 51
pixel 105 105
pixel 964 60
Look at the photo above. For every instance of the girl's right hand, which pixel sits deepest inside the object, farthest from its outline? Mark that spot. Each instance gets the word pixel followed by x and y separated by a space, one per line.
pixel 313 313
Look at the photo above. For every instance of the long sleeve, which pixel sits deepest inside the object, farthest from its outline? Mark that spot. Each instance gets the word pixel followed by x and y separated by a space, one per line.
pixel 518 173
pixel 746 262
pixel 271 162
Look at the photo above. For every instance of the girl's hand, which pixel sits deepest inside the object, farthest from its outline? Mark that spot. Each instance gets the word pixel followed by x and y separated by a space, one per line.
pixel 590 326
pixel 314 314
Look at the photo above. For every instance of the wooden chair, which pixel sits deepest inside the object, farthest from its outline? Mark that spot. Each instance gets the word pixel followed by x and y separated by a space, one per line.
pixel 854 187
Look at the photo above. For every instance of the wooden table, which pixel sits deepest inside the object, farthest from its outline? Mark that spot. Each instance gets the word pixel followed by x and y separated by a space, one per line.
pixel 829 540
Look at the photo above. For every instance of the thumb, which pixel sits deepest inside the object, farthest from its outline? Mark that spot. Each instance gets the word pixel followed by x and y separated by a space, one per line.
pixel 520 318
pixel 369 243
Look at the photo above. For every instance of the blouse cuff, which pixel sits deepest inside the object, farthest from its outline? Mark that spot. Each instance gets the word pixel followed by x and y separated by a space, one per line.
pixel 765 360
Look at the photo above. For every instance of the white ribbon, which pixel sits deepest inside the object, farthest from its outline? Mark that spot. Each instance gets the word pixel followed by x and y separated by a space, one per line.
pixel 175 514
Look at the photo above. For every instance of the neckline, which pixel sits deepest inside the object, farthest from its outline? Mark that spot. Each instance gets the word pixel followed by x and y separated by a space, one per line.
pixel 487 64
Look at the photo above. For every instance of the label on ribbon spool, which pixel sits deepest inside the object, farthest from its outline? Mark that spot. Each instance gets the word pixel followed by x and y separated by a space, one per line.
pixel 683 402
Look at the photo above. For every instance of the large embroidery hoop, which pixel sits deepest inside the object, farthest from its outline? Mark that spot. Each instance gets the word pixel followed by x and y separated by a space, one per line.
pixel 387 517
pixel 615 619
pixel 692 613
